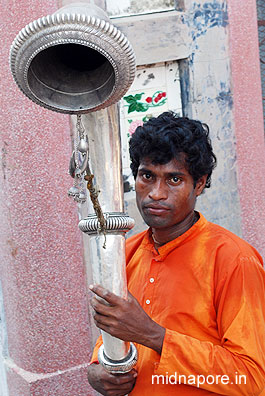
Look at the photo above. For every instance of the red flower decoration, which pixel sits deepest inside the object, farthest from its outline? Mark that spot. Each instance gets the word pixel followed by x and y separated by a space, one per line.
pixel 148 100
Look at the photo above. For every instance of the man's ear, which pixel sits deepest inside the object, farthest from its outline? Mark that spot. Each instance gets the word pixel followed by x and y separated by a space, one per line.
pixel 200 185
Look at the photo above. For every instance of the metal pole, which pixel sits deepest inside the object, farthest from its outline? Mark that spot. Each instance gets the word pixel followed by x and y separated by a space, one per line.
pixel 108 264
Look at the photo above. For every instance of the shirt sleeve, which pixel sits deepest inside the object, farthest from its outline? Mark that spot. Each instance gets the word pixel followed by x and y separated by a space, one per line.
pixel 236 367
pixel 94 357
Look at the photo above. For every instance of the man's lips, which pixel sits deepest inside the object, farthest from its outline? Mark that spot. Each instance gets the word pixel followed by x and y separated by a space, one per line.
pixel 156 209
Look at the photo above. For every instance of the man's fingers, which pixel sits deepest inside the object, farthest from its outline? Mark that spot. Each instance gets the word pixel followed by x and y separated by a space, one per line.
pixel 99 307
pixel 111 298
pixel 101 320
pixel 120 384
pixel 103 327
pixel 123 379
pixel 109 384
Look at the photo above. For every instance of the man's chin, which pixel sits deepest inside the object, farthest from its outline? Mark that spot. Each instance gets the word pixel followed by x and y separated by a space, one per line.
pixel 156 221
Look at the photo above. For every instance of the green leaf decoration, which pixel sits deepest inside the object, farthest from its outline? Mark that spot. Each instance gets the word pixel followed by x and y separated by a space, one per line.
pixel 163 101
pixel 132 107
pixel 141 107
pixel 139 96
pixel 129 99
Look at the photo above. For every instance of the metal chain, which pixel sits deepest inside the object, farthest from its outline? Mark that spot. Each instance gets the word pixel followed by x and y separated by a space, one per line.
pixel 76 136
pixel 81 148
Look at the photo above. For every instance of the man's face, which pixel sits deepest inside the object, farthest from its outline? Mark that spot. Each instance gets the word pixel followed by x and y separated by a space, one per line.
pixel 165 194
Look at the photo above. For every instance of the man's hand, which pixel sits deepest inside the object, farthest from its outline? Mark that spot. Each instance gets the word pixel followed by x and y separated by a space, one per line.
pixel 109 384
pixel 126 319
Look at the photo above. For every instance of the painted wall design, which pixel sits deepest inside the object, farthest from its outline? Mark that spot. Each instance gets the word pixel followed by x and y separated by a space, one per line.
pixel 156 89
pixel 206 16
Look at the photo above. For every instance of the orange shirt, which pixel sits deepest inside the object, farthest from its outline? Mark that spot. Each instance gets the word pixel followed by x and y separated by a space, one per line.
pixel 207 288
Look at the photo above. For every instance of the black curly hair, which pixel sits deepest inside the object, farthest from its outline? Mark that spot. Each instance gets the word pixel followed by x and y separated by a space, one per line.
pixel 163 138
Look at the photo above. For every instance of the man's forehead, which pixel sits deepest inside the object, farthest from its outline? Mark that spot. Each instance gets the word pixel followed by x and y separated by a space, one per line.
pixel 173 166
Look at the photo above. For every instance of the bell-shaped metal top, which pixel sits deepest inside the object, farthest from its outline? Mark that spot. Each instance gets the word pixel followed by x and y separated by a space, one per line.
pixel 74 61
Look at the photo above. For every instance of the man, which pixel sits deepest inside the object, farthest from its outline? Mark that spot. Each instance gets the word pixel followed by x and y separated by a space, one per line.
pixel 196 308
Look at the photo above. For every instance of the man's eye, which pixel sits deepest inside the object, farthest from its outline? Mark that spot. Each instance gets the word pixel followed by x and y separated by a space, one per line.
pixel 146 176
pixel 175 180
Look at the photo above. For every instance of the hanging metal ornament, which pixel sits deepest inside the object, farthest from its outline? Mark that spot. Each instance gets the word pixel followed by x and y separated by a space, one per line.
pixel 79 162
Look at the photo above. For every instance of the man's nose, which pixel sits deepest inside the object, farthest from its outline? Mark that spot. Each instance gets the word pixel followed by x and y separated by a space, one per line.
pixel 158 191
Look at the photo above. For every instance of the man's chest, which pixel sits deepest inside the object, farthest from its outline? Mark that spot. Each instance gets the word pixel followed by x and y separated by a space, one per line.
pixel 176 292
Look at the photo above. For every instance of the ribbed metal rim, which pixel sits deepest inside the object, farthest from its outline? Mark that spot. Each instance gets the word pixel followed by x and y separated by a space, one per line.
pixel 114 222
pixel 113 36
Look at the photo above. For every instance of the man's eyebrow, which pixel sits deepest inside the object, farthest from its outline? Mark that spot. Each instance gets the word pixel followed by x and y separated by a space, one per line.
pixel 169 174
pixel 146 170
pixel 172 174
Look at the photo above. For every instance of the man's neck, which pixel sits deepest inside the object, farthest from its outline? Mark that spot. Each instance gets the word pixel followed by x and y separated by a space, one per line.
pixel 163 236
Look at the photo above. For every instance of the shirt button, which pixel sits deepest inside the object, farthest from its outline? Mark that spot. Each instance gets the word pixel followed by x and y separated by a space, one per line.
pixel 147 302
pixel 151 280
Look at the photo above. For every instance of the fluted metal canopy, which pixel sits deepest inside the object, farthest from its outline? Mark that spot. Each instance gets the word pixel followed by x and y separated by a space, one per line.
pixel 74 61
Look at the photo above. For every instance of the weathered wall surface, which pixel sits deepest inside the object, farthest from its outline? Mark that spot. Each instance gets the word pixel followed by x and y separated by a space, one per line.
pixel 41 264
pixel 224 71
pixel 3 347
pixel 248 119
pixel 207 78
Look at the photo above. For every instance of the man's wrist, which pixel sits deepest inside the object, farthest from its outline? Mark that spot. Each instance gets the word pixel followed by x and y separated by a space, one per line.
pixel 155 337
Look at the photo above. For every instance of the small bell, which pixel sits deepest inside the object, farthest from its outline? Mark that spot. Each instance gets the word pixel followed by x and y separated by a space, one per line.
pixel 73 192
pixel 83 146
pixel 78 172
pixel 81 197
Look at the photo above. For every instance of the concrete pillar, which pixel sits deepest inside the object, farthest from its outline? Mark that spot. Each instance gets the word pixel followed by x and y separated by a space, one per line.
pixel 42 272
pixel 248 119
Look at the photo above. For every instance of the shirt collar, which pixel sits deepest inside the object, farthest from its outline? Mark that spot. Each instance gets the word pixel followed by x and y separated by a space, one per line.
pixel 164 250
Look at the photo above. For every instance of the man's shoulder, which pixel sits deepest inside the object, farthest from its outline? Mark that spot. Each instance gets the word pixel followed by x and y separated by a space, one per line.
pixel 223 235
pixel 236 265
pixel 229 245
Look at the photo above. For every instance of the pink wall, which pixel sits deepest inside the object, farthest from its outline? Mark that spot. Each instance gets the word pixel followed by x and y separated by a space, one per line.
pixel 42 272
pixel 248 119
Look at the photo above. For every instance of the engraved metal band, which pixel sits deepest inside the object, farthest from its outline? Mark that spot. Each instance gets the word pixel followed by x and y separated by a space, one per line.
pixel 114 222
pixel 118 366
